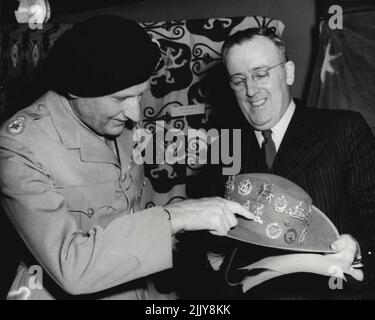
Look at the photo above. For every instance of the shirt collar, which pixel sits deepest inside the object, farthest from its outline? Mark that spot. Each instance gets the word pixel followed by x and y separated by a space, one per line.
pixel 279 129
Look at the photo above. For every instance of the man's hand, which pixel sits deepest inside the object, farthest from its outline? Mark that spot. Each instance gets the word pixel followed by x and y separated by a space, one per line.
pixel 216 215
pixel 346 248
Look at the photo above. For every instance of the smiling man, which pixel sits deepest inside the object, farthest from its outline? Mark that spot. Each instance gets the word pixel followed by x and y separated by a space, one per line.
pixel 68 181
pixel 260 81
pixel 329 153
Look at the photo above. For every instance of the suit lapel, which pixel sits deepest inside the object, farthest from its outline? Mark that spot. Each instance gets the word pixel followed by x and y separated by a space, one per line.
pixel 302 142
pixel 252 157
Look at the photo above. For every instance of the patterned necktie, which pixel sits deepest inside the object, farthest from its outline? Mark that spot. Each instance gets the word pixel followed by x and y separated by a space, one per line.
pixel 268 147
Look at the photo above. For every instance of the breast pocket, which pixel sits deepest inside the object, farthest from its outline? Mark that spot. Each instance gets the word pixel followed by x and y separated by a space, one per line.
pixel 90 204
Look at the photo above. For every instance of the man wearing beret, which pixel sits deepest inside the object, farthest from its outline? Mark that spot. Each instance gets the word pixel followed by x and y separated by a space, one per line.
pixel 68 181
pixel 328 153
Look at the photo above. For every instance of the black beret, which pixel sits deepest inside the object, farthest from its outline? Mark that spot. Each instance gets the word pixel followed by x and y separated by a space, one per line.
pixel 100 56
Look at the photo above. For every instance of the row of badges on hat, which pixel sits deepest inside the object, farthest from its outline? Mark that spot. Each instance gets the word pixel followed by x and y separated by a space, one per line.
pixel 264 195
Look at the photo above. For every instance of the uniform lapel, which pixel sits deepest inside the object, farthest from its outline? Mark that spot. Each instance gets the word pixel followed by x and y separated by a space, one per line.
pixel 125 148
pixel 302 142
pixel 93 149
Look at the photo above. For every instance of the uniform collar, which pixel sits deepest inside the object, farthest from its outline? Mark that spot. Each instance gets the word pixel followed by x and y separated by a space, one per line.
pixel 66 126
pixel 74 134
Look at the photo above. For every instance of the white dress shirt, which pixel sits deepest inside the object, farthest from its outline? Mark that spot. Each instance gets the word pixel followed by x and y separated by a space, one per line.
pixel 278 131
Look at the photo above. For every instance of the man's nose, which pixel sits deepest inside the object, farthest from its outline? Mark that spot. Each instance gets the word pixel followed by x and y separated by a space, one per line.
pixel 251 87
pixel 132 109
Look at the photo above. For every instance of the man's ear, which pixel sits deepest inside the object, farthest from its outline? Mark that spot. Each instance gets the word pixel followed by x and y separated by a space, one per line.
pixel 289 66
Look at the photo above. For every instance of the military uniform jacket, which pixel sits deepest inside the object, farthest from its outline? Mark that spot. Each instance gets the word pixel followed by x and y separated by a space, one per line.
pixel 78 207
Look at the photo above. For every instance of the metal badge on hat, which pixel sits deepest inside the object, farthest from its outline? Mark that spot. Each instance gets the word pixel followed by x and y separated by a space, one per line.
pixel 284 215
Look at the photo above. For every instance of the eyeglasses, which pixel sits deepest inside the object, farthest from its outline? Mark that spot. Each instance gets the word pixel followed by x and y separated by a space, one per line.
pixel 260 77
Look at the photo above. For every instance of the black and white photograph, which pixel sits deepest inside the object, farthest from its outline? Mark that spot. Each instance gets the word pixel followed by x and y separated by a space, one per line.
pixel 176 151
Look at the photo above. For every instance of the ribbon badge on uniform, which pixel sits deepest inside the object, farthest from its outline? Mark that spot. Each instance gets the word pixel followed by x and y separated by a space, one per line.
pixel 16 126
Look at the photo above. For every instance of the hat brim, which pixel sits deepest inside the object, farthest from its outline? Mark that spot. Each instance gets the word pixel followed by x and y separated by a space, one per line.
pixel 321 233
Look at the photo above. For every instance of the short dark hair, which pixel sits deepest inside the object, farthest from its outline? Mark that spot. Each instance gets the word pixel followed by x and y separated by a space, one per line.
pixel 249 34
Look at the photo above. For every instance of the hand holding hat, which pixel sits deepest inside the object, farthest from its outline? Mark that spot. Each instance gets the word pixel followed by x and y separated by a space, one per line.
pixel 285 218
pixel 347 250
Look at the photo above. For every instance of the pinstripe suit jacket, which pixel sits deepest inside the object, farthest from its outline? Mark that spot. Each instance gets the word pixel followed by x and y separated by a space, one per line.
pixel 331 155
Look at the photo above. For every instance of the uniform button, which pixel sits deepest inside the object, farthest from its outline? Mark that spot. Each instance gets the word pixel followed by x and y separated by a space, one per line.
pixel 40 107
pixel 144 183
pixel 90 211
pixel 123 177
